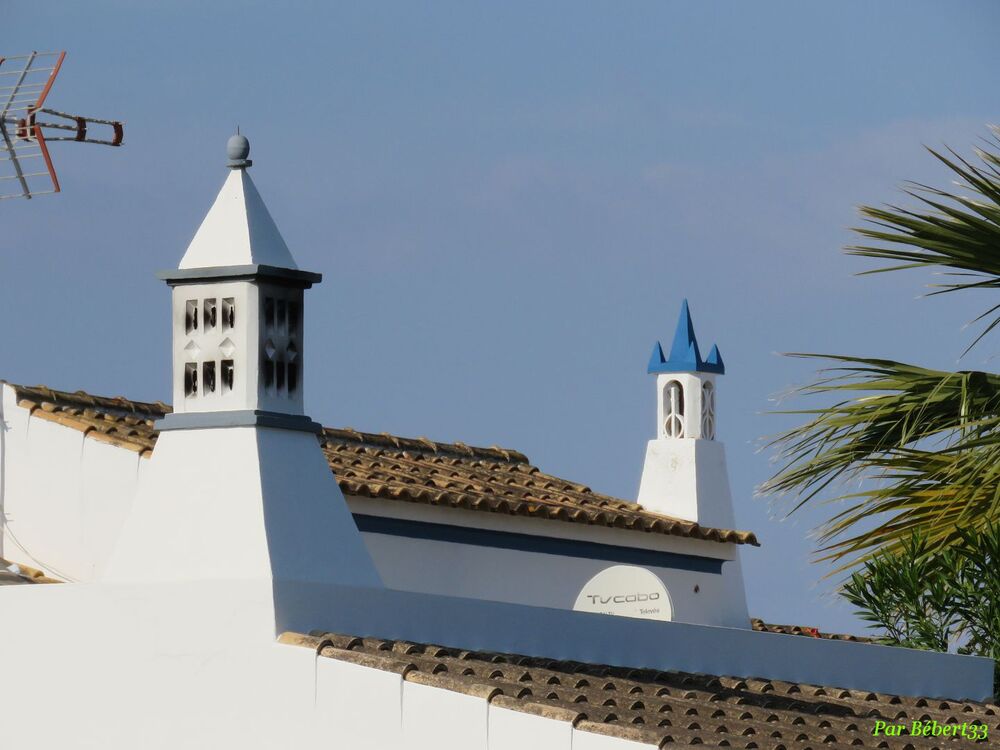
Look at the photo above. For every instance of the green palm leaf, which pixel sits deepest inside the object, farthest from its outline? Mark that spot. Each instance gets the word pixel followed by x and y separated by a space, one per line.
pixel 905 450
pixel 957 232
pixel 922 445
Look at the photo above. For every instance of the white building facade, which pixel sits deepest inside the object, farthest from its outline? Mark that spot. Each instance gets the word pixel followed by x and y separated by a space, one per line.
pixel 232 574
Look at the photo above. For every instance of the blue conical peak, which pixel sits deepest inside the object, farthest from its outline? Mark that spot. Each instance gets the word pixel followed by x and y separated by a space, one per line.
pixel 656 358
pixel 684 350
pixel 684 353
pixel 715 360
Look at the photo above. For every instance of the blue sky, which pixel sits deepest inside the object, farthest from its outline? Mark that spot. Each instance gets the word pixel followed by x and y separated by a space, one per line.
pixel 508 202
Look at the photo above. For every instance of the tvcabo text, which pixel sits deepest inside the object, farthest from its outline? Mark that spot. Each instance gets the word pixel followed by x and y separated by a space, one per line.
pixel 623 598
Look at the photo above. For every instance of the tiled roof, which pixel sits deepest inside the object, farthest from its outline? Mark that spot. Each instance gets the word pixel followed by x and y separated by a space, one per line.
pixel 118 421
pixel 767 627
pixel 14 574
pixel 488 479
pixel 664 709
pixel 451 475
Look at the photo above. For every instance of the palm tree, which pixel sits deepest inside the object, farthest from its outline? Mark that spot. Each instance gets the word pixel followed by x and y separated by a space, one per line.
pixel 923 445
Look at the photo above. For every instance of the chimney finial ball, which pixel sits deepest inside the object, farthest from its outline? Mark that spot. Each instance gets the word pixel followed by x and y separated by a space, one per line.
pixel 238 149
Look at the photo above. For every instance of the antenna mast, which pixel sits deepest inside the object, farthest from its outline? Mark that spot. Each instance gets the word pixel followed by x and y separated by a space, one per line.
pixel 25 165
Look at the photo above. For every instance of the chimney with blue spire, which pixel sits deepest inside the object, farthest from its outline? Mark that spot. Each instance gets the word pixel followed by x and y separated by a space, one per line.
pixel 685 474
pixel 685 384
pixel 685 356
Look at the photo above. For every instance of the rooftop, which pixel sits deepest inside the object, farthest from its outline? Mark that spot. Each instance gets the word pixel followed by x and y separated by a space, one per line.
pixel 12 574
pixel 416 470
pixel 664 709
pixel 767 627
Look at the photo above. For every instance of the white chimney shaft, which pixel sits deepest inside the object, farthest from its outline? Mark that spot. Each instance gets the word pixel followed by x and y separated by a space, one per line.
pixel 237 488
pixel 684 474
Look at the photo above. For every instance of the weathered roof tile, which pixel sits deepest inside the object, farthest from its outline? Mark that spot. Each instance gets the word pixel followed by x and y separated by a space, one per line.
pixel 767 627
pixel 660 708
pixel 15 573
pixel 416 470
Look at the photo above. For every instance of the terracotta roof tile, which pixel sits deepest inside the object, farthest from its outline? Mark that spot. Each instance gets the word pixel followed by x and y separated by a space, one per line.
pixel 662 708
pixel 15 573
pixel 767 627
pixel 416 470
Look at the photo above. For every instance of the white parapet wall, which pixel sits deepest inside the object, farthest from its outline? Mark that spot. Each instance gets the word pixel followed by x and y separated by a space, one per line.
pixel 195 665
pixel 630 642
pixel 164 666
pixel 64 495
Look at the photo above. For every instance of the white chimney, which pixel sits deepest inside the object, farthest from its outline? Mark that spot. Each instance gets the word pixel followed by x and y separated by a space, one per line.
pixel 237 488
pixel 685 474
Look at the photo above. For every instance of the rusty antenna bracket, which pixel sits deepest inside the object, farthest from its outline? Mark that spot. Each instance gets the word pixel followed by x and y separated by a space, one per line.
pixel 27 127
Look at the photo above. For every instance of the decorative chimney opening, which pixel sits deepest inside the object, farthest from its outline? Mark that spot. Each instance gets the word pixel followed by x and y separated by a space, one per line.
pixel 673 409
pixel 228 375
pixel 191 379
pixel 269 313
pixel 291 355
pixel 267 366
pixel 281 322
pixel 281 368
pixel 279 376
pixel 210 314
pixel 208 377
pixel 228 313
pixel 708 411
pixel 191 316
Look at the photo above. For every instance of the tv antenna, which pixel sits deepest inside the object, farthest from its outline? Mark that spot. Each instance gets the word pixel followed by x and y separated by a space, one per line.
pixel 26 126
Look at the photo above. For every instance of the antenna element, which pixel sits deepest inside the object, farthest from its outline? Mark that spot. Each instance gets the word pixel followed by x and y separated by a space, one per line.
pixel 25 165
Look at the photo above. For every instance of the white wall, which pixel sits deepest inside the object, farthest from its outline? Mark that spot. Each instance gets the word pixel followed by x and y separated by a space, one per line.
pixel 161 666
pixel 64 496
pixel 687 478
pixel 360 706
pixel 195 665
pixel 516 730
pixel 240 503
pixel 369 709
pixel 541 579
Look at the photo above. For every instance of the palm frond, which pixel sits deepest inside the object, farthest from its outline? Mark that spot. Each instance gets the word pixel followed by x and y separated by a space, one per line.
pixel 959 233
pixel 903 448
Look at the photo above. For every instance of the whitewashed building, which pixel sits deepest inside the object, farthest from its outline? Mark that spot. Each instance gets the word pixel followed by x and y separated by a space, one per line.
pixel 226 572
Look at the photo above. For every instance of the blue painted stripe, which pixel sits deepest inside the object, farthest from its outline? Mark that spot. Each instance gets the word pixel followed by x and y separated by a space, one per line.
pixel 528 543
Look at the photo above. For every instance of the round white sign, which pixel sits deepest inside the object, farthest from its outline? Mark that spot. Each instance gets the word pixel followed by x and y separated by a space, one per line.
pixel 626 591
